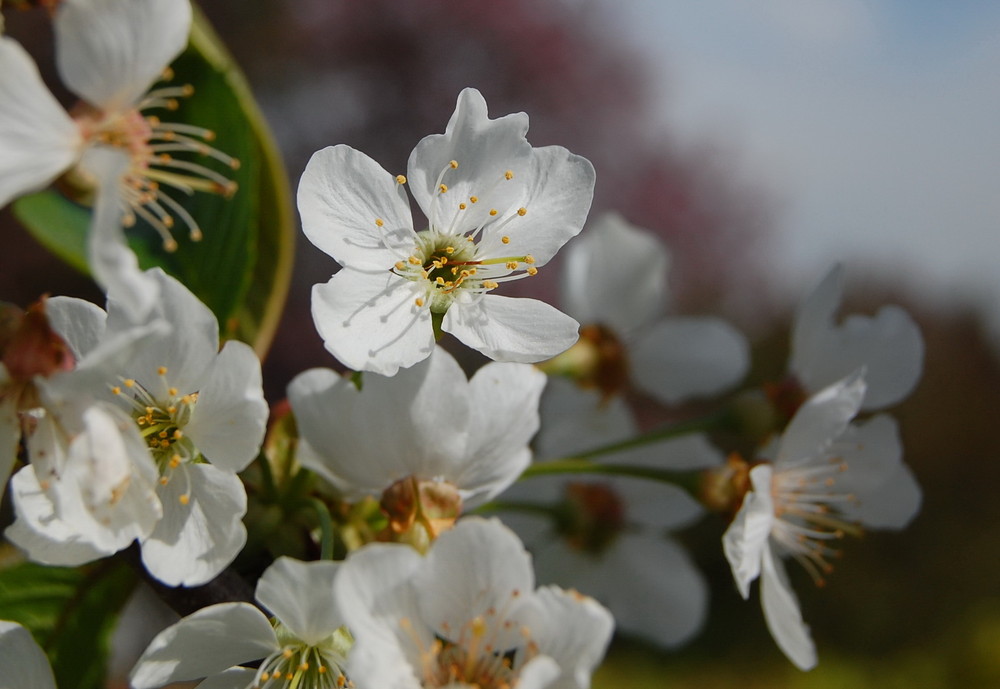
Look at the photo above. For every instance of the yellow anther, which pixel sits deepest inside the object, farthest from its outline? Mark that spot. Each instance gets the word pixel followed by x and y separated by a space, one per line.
pixel 128 382
pixel 400 179
pixel 162 370
pixel 287 653
pixel 164 480
pixel 439 280
pixel 442 188
pixel 171 410
pixel 167 74
pixel 149 411
pixel 474 199
pixel 522 211
pixel 378 221
pixel 321 669
pixel 175 461
pixel 449 284
pixel 532 270
pixel 505 239
pixel 529 259
pixel 449 250
pixel 424 274
pixel 116 390
pixel 512 265
pixel 164 444
pixel 418 301
pixel 414 260
pixel 489 284
pixel 493 211
pixel 184 499
pixel 304 666
pixel 453 165
pixel 400 265
pixel 461 206
pixel 264 677
pixel 178 434
pixel 172 392
pixel 509 174
pixel 162 434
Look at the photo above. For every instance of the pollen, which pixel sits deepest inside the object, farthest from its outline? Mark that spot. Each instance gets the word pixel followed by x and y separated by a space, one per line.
pixel 529 259
pixel 400 179
pixel 162 370
pixel 400 265
pixel 184 499
pixel 532 270
pixel 453 165
pixel 129 382
pixel 418 301
pixel 116 390
pixel 442 188
pixel 505 239
pixel 462 206
pixel 509 175
pixel 379 222
pixel 172 392
pixel 474 199
pixel 493 211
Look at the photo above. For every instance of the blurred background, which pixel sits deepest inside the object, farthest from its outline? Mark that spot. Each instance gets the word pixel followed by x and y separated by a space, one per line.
pixel 762 141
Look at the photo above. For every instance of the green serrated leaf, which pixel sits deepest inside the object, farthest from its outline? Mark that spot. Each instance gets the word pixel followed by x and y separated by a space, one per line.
pixel 70 612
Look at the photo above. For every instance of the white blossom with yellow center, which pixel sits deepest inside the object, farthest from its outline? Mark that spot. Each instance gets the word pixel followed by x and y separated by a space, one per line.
pixel 497 209
pixel 827 479
pixel 467 614
pixel 200 413
pixel 303 646
pixel 109 53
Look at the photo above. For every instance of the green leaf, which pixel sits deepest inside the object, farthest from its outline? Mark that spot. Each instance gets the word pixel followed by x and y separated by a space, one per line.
pixel 70 612
pixel 241 268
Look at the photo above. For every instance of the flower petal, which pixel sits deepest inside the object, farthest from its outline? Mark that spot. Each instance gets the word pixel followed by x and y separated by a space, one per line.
pixel 229 419
pixel 196 540
pixel 508 329
pixel 113 264
pixel 820 421
pixel 782 614
pixel 300 594
pixel 38 139
pixel 233 678
pixel 503 400
pixel 679 358
pixel 205 643
pixel 485 150
pixel 746 539
pixel 370 321
pixel 341 194
pixel 615 275
pixel 22 659
pixel 80 323
pixel 109 52
pixel 889 346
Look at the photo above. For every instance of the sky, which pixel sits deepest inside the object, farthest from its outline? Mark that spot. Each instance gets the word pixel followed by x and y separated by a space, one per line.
pixel 874 123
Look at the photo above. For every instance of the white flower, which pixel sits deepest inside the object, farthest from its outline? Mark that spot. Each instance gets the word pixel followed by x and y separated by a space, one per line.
pixel 193 405
pixel 615 284
pixel 24 664
pixel 90 489
pixel 608 537
pixel 109 53
pixel 303 645
pixel 425 429
pixel 496 210
pixel 826 479
pixel 466 614
pixel 888 345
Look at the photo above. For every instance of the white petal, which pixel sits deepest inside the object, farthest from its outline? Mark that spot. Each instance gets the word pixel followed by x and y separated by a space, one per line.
pixel 745 541
pixel 494 567
pixel 679 358
pixel 784 619
pixel 598 288
pixel 189 348
pixel 38 139
pixel 113 264
pixel 205 643
pixel 195 541
pixel 508 329
pixel 820 421
pixel 300 594
pixel 233 678
pixel 341 194
pixel 109 52
pixel 229 419
pixel 22 659
pixel 888 345
pixel 80 323
pixel 886 494
pixel 503 402
pixel 576 420
pixel 538 673
pixel 557 198
pixel 485 150
pixel 373 589
pixel 575 634
pixel 370 322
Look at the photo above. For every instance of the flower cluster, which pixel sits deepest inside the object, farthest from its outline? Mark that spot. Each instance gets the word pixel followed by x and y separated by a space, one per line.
pixel 140 433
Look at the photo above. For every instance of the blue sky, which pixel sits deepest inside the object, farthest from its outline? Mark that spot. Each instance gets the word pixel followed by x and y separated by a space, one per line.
pixel 876 123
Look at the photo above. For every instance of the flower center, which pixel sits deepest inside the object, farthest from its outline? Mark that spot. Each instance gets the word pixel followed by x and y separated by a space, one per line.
pixel 161 419
pixel 419 511
pixel 591 516
pixel 808 511
pixel 465 252
pixel 151 145
pixel 298 665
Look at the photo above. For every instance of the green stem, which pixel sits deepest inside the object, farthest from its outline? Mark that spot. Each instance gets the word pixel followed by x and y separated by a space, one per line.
pixel 325 527
pixel 436 320
pixel 687 480
pixel 517 506
pixel 713 422
pixel 267 476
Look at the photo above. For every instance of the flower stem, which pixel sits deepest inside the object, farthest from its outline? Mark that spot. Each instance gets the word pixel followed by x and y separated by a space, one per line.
pixel 688 480
pixel 325 527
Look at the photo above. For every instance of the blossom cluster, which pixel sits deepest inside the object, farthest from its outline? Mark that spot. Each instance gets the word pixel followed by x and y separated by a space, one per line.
pixel 136 428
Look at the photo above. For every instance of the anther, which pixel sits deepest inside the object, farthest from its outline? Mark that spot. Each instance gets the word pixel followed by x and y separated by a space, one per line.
pixel 172 392
pixel 505 239
pixel 414 260
pixel 442 188
pixel 418 301
pixel 128 382
pixel 508 175
pixel 162 370
pixel 184 499
pixel 474 199
pixel 529 259
pixel 493 211
pixel 400 265
pixel 449 250
pixel 400 179
pixel 522 211
pixel 461 206
pixel 532 270
pixel 453 165
pixel 378 221
pixel 116 390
